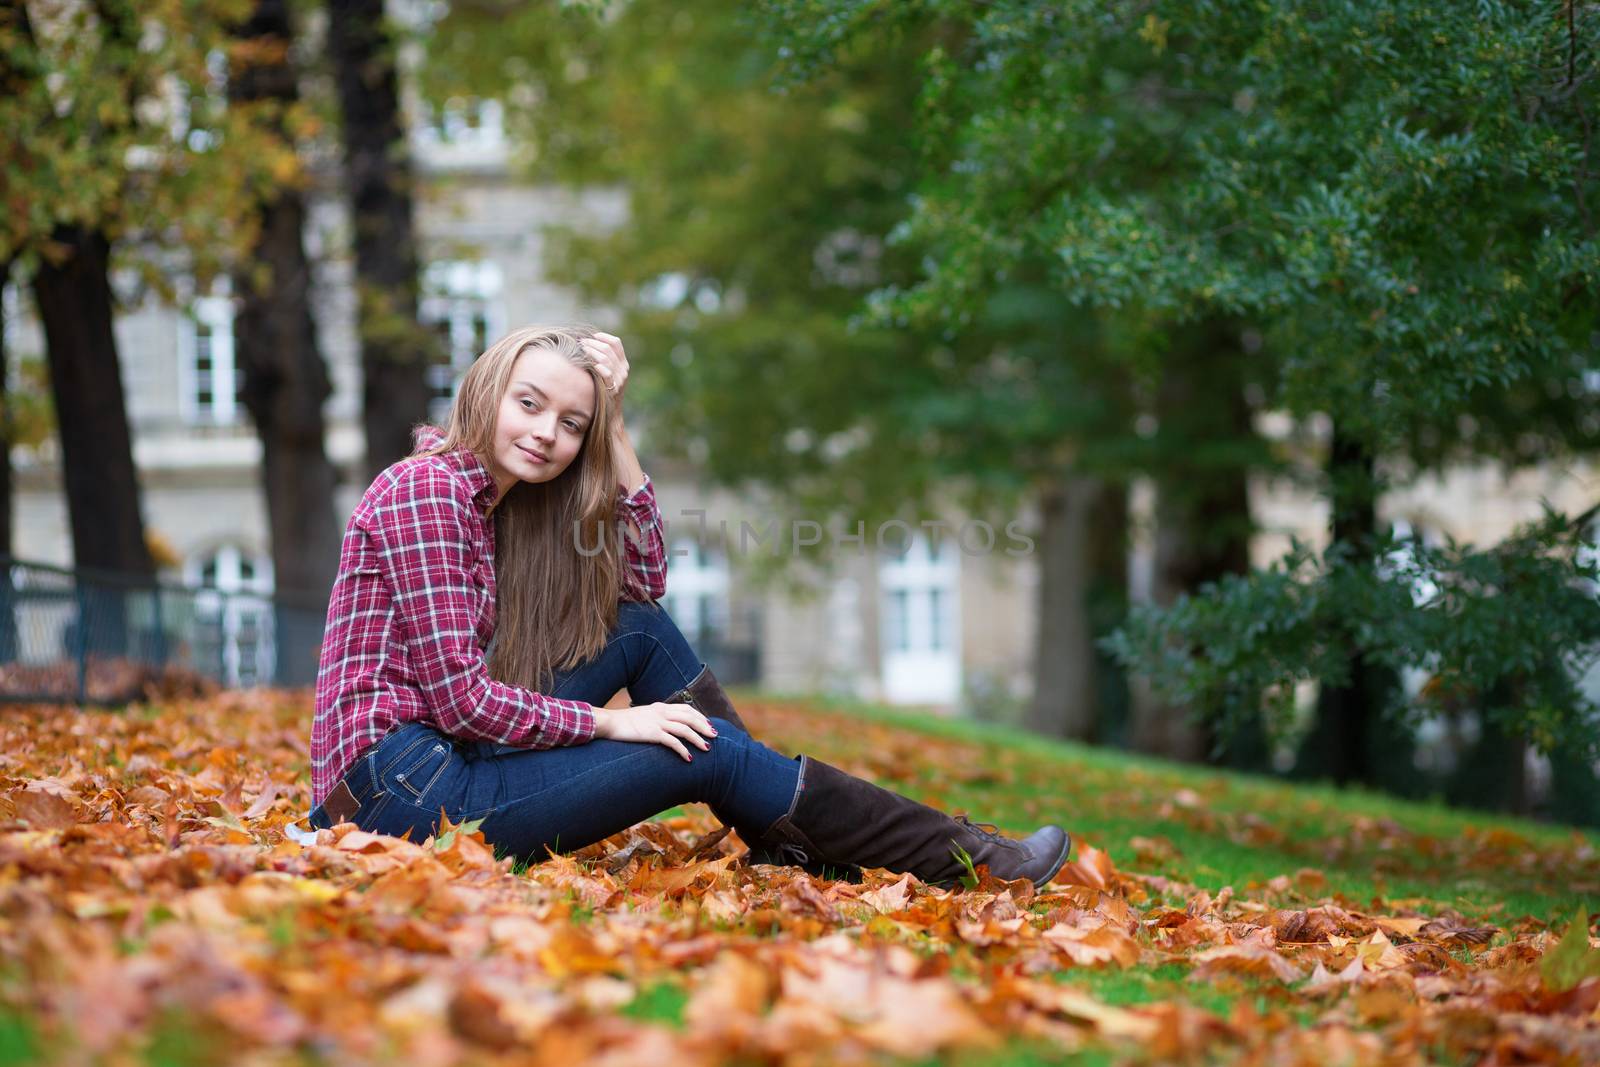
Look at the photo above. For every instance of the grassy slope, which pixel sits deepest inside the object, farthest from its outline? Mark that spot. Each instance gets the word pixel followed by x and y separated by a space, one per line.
pixel 1107 797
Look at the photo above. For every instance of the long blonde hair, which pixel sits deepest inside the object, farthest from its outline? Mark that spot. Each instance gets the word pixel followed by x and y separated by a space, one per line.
pixel 555 604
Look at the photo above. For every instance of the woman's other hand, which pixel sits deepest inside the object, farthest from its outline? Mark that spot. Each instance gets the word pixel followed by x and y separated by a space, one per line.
pixel 661 724
pixel 610 360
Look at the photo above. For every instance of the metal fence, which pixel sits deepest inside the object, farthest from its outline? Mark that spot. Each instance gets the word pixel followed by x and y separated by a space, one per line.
pixel 95 637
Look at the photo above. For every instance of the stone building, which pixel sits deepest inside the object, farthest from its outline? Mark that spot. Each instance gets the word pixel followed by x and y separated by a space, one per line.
pixel 911 630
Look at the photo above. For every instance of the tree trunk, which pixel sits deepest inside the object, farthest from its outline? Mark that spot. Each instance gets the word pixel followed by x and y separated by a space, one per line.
pixel 1082 568
pixel 8 614
pixel 7 507
pixel 1203 525
pixel 395 350
pixel 285 378
pixel 1351 740
pixel 102 485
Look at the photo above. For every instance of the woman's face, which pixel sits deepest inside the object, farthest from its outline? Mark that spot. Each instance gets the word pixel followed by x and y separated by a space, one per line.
pixel 545 412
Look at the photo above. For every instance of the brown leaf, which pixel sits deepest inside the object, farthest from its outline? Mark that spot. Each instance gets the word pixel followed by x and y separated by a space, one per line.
pixel 801 895
pixel 43 810
pixel 905 1017
pixel 889 898
pixel 1091 946
pixel 1452 928
pixel 1108 1021
pixel 263 803
pixel 1253 959
pixel 1092 868
pixel 731 993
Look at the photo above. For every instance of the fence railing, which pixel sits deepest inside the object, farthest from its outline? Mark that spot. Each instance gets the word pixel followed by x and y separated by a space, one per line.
pixel 96 637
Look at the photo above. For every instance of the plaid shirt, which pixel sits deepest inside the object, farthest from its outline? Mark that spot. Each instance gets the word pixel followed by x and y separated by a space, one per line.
pixel 413 608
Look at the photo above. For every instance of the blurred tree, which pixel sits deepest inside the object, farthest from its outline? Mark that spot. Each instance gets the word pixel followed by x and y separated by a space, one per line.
pixel 285 378
pixel 1287 164
pixel 757 222
pixel 1202 451
pixel 71 273
pixel 395 348
pixel 8 615
pixel 1006 130
pixel 120 141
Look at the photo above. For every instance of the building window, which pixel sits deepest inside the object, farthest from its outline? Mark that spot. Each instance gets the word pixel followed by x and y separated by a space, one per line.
pixel 697 590
pixel 937 625
pixel 211 386
pixel 464 122
pixel 234 623
pixel 897 620
pixel 920 637
pixel 461 303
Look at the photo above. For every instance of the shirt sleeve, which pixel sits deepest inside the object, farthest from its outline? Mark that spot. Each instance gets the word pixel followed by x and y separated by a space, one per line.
pixel 423 532
pixel 644 574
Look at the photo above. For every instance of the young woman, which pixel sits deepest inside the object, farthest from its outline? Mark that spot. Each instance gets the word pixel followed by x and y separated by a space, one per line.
pixel 487 604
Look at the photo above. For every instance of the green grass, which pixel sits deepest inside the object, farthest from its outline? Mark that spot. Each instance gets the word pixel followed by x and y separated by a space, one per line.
pixel 661 1002
pixel 19 1043
pixel 1107 797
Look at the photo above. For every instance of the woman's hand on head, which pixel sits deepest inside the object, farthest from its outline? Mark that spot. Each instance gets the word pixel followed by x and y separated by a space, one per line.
pixel 661 724
pixel 610 360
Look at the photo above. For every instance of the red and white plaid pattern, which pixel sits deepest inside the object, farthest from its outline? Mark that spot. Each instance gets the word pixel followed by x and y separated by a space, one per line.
pixel 413 608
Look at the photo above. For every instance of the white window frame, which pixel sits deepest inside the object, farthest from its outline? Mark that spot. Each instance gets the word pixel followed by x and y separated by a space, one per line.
pixel 697 589
pixel 215 312
pixel 241 610
pixel 920 621
pixel 450 126
pixel 454 293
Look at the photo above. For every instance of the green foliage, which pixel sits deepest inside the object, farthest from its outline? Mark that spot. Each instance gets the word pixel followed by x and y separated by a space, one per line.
pixel 117 120
pixel 1399 197
pixel 1504 630
pixel 1286 162
pixel 29 416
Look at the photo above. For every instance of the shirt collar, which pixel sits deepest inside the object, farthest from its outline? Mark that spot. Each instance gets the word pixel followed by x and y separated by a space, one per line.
pixel 464 460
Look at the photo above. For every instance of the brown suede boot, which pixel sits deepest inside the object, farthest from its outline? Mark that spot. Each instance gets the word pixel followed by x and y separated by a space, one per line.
pixel 706 694
pixel 837 818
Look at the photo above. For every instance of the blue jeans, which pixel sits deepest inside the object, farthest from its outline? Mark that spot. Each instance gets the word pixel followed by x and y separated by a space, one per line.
pixel 564 798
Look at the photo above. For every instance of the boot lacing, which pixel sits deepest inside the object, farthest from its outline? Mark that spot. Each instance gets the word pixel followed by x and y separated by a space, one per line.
pixel 987 829
pixel 794 854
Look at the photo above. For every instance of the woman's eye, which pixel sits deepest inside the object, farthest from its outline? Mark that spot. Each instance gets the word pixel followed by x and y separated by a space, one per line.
pixel 530 405
pixel 572 426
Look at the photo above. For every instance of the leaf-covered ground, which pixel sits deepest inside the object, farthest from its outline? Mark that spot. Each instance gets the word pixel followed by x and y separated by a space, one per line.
pixel 154 910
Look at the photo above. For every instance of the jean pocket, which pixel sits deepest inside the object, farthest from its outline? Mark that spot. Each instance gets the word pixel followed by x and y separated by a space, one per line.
pixel 419 768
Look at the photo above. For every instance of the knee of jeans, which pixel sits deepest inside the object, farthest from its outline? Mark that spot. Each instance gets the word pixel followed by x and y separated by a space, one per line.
pixel 726 728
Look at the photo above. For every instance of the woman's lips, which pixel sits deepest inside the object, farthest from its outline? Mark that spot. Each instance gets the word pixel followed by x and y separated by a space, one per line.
pixel 531 454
